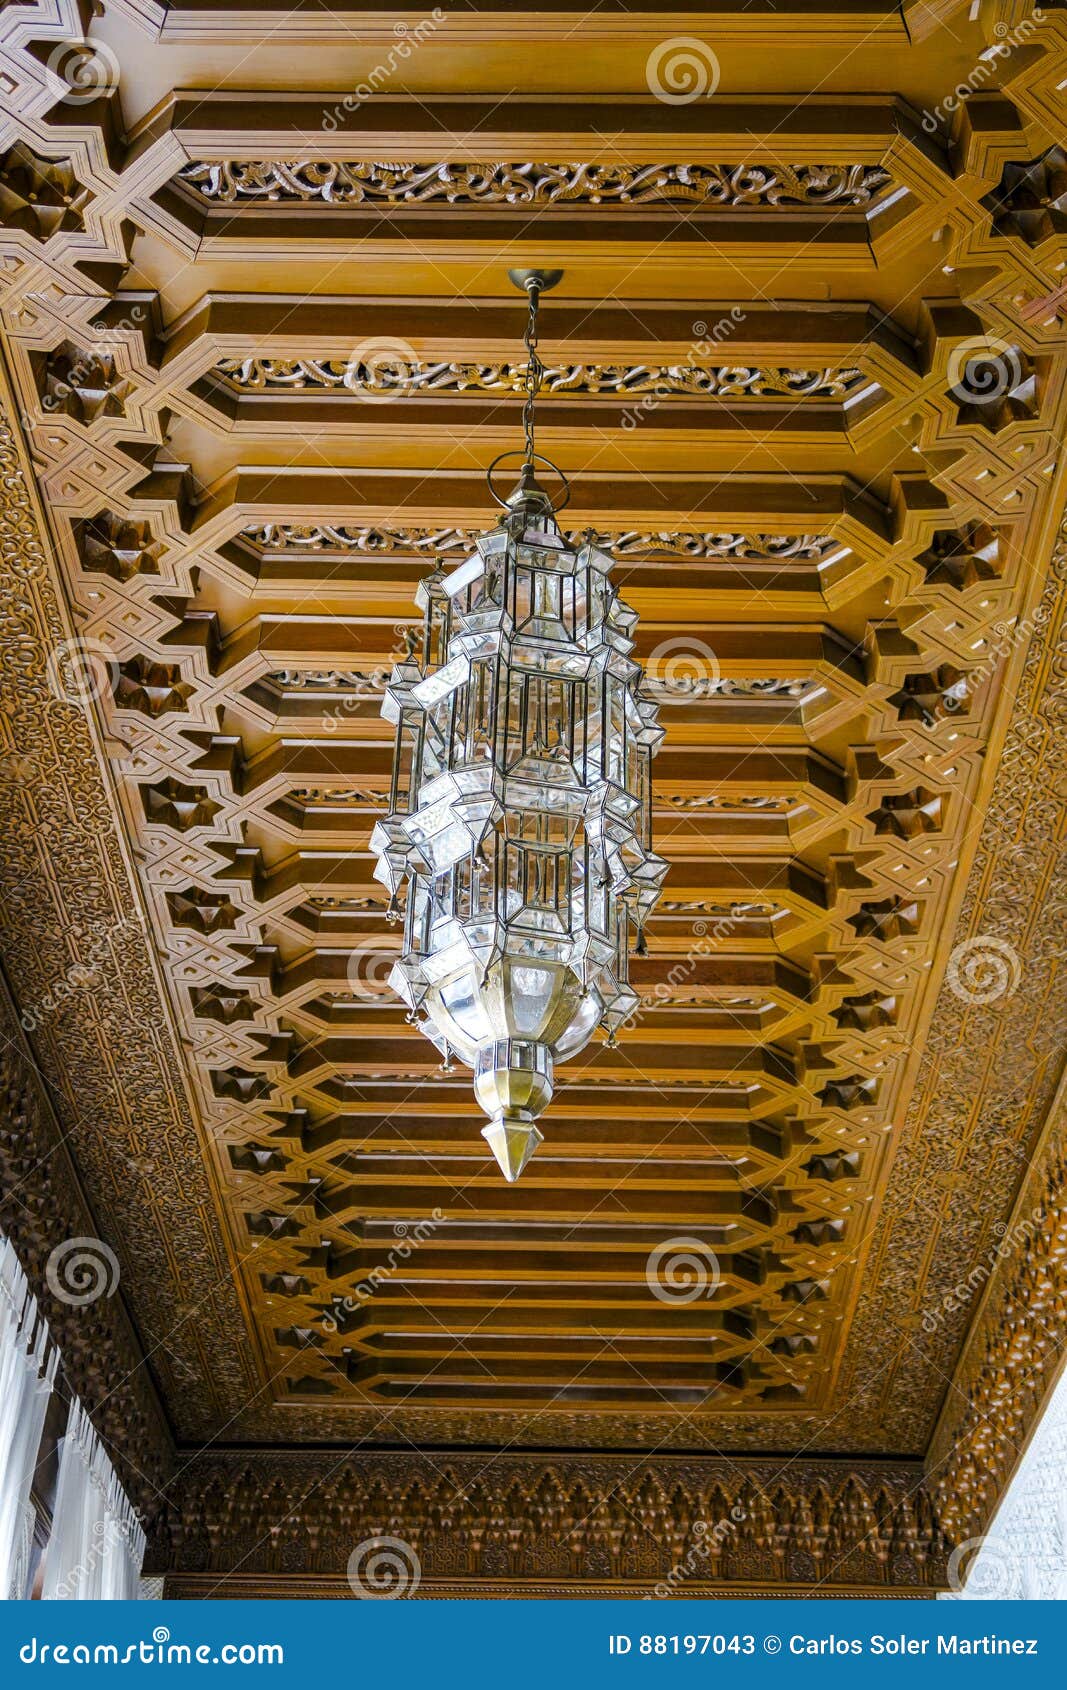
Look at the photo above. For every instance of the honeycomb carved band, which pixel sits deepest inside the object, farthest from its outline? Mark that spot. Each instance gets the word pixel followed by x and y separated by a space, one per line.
pixel 524 1519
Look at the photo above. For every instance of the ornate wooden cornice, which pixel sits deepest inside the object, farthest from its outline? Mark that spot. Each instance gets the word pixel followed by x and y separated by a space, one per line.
pixel 519 1524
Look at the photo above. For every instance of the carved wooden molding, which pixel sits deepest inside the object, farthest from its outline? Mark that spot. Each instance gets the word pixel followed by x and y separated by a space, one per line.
pixel 42 1210
pixel 326 537
pixel 335 182
pixel 392 372
pixel 693 1524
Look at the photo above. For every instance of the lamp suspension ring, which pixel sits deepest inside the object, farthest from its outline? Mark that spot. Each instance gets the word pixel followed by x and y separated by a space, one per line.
pixel 537 457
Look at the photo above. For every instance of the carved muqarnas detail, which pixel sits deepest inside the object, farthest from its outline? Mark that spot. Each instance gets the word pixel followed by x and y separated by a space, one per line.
pixel 1030 200
pixel 996 387
pixel 173 804
pixel 109 544
pixel 870 1010
pixel 82 385
pixel 907 814
pixel 887 918
pixel 932 697
pixel 206 912
pixel 851 1091
pixel 40 195
pixel 538 1520
pixel 150 687
pixel 961 558
pixel 222 1003
pixel 263 1225
pixel 835 1165
pixel 334 182
pixel 256 1159
pixel 285 1284
pixel 240 1084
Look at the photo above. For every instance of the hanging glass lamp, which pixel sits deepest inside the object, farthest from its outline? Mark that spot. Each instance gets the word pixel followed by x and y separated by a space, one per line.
pixel 520 810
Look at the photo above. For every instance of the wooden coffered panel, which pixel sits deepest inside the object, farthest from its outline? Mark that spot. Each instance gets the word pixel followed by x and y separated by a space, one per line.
pixel 806 374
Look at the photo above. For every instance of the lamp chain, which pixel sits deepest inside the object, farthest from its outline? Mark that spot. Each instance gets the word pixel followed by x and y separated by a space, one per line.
pixel 534 372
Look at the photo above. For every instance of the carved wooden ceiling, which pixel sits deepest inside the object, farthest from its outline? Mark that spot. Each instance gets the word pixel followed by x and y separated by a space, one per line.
pixel 806 373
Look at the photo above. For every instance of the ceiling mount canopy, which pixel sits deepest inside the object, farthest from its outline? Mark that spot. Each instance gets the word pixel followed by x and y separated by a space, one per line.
pixel 520 806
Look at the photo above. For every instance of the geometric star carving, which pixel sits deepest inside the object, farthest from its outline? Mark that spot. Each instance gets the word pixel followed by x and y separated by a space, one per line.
pixel 962 559
pixel 153 688
pixel 40 195
pixel 113 545
pixel 887 918
pixel 932 697
pixel 176 805
pixel 907 814
pixel 1030 200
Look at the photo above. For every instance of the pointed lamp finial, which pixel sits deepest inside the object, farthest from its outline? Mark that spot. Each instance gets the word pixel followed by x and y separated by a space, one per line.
pixel 512 1143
